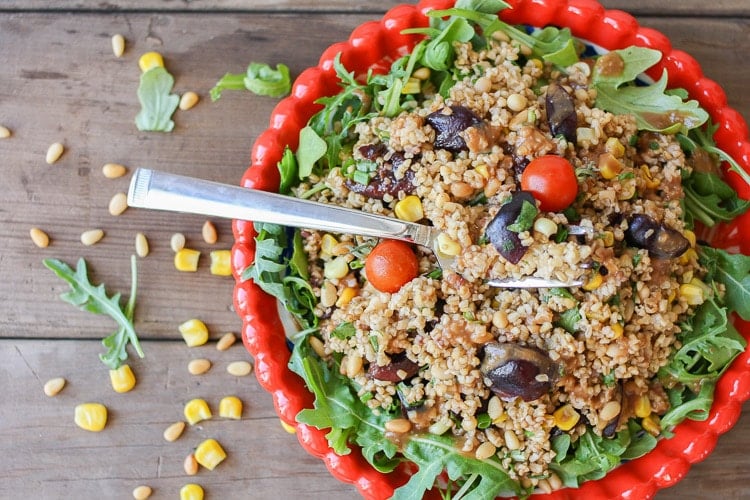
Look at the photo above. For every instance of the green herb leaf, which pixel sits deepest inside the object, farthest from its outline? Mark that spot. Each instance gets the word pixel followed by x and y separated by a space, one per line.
pixel 525 219
pixel 711 200
pixel 157 104
pixel 702 137
pixel 311 149
pixel 569 319
pixel 259 78
pixel 636 60
pixel 94 299
pixel 733 271
pixel 344 331
pixel 288 171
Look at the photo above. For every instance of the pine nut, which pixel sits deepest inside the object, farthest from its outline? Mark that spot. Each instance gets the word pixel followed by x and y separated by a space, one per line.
pixel 239 368
pixel 483 84
pixel 113 170
pixel 177 242
pixel 142 492
pixel 318 346
pixel 199 366
pixel 118 204
pixel 485 450
pixel 353 365
pixel 54 152
pixel 118 45
pixel 544 485
pixel 511 440
pixel 398 425
pixel 188 100
pixel 495 408
pixel 226 341
pixel 209 232
pixel 91 236
pixel 53 386
pixel 4 132
pixel 39 237
pixel 554 481
pixel 327 294
pixel 141 245
pixel 461 189
pixel 517 102
pixel 190 465
pixel 174 431
pixel 609 411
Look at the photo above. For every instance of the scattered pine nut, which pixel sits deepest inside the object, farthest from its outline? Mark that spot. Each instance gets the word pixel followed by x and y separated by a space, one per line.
pixel 177 242
pixel 209 232
pixel 226 341
pixel 239 368
pixel 188 100
pixel 141 245
pixel 118 45
pixel 53 386
pixel 118 204
pixel 91 236
pixel 4 132
pixel 199 366
pixel 190 465
pixel 113 170
pixel 142 492
pixel 39 237
pixel 54 152
pixel 174 431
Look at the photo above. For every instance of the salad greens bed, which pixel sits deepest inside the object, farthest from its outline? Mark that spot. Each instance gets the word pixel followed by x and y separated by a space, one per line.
pixel 708 341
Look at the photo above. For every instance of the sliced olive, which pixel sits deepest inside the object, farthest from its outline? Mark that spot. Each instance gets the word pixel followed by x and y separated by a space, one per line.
pixel 517 371
pixel 507 242
pixel 448 126
pixel 561 112
pixel 661 241
pixel 400 368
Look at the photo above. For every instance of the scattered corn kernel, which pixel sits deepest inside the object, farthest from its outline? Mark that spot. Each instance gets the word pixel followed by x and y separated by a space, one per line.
pixel 198 366
pixel 226 341
pixel 113 170
pixel 618 330
pixel 230 407
pixel 536 62
pixel 651 424
pixel 650 182
pixel 150 60
pixel 566 417
pixel 53 386
pixel 412 86
pixel 608 238
pixel 118 45
pixel 118 204
pixel 347 294
pixel 39 237
pixel 692 294
pixel 188 100
pixel 690 236
pixel 174 431
pixel 221 262
pixel 177 242
pixel 422 73
pixel 54 152
pixel 289 428
pixel 209 232
pixel 190 465
pixel 517 102
pixel 614 147
pixel 627 190
pixel 91 237
pixel 191 491
pixel 483 170
pixel 141 245
pixel 545 226
pixel 336 268
pixel 142 492
pixel 409 209
pixel 196 410
pixel 239 368
pixel 642 407
pixel 594 282
pixel 91 416
pixel 327 244
pixel 194 332
pixel 447 245
pixel 186 260
pixel 609 166
pixel 122 379
pixel 210 454
pixel 4 132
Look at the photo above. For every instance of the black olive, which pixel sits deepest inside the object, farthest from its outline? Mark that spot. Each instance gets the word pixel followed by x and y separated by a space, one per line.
pixel 400 368
pixel 448 126
pixel 517 371
pixel 507 242
pixel 660 240
pixel 561 112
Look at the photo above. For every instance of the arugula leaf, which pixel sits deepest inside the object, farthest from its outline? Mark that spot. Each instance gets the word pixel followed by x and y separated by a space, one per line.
pixel 635 61
pixel 287 170
pixel 702 137
pixel 94 299
pixel 311 149
pixel 569 319
pixel 344 330
pixel 733 271
pixel 711 200
pixel 157 104
pixel 259 78
pixel 525 219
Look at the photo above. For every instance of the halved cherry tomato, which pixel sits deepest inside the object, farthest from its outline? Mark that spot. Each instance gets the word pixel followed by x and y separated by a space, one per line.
pixel 552 180
pixel 390 265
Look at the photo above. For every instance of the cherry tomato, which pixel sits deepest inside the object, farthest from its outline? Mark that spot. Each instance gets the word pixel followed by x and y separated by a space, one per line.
pixel 552 180
pixel 390 265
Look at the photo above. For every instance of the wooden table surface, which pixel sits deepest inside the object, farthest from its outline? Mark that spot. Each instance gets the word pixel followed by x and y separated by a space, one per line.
pixel 59 81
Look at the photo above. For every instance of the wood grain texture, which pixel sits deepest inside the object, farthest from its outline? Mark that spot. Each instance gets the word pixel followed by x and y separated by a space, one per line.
pixel 60 82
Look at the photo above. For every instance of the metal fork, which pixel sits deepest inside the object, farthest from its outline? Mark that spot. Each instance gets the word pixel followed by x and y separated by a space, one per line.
pixel 176 193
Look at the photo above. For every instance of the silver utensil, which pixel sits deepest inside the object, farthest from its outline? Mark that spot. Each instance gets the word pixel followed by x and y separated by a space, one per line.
pixel 176 193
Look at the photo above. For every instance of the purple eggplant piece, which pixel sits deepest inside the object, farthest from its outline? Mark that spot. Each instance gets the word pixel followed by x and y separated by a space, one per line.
pixel 447 127
pixel 505 241
pixel 517 371
pixel 661 241
pixel 561 112
pixel 400 368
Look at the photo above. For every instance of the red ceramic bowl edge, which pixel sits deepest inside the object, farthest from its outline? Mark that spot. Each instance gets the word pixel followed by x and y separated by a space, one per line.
pixel 263 334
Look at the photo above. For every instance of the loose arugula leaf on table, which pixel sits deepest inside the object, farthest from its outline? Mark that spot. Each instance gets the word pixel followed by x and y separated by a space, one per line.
pixel 157 104
pixel 94 299
pixel 259 78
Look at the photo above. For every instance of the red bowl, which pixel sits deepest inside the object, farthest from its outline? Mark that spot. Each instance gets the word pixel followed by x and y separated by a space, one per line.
pixel 374 45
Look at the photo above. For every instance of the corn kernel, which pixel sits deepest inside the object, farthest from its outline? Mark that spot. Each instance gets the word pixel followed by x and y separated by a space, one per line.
pixel 191 491
pixel 230 407
pixel 336 268
pixel 409 209
pixel 210 454
pixel 617 330
pixel 627 191
pixel 614 147
pixel 327 244
pixel 347 294
pixel 642 406
pixel 122 379
pixel 447 245
pixel 194 332
pixel 566 417
pixel 685 258
pixel 483 170
pixel 196 410
pixel 537 62
pixel 690 236
pixel 608 238
pixel 651 424
pixel 545 226
pixel 289 428
pixel 91 416
pixel 413 86
pixel 650 182
pixel 692 294
pixel 221 262
pixel 593 283
pixel 150 60
pixel 609 166
pixel 186 259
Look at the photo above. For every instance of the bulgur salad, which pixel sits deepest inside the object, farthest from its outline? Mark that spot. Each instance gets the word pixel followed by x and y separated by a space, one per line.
pixel 534 155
